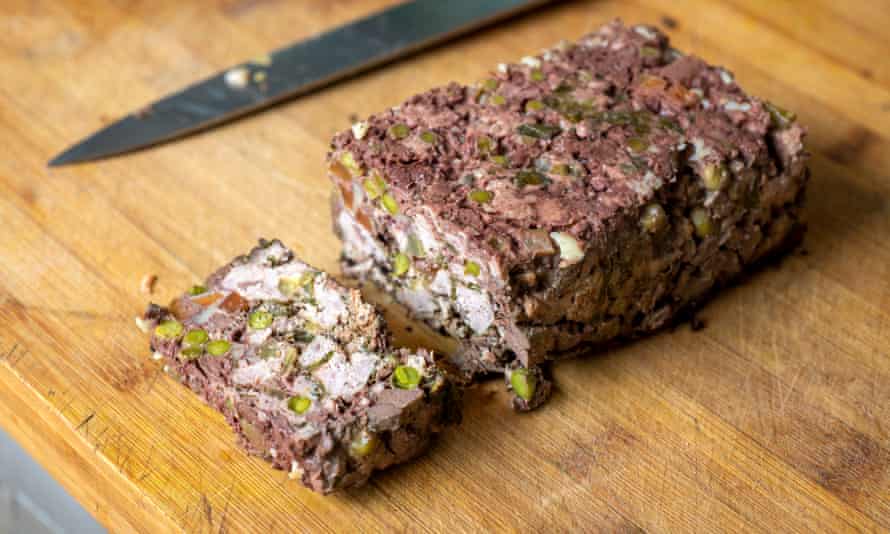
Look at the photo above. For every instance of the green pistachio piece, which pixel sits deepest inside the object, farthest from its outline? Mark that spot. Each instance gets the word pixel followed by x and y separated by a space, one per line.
pixel 363 444
pixel 526 177
pixel 484 144
pixel 414 247
pixel 218 347
pixel 472 268
pixel 523 383
pixel 429 137
pixel 398 131
pixel 406 377
pixel 374 185
pixel 481 196
pixel 780 117
pixel 288 285
pixel 539 131
pixel 497 100
pixel 500 160
pixel 197 289
pixel 299 404
pixel 637 144
pixel 489 84
pixel 537 75
pixel 653 218
pixel 533 105
pixel 650 51
pixel 290 359
pixel 259 319
pixel 169 329
pixel 561 169
pixel 400 264
pixel 702 222
pixel 195 338
pixel 348 161
pixel 714 176
pixel 389 204
pixel 191 352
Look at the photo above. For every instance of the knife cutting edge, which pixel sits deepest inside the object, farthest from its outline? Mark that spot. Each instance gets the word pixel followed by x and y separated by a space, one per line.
pixel 293 70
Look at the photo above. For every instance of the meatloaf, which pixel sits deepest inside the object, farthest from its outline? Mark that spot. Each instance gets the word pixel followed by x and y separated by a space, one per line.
pixel 302 369
pixel 584 195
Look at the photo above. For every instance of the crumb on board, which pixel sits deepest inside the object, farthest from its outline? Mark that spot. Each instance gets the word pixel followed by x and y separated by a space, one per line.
pixel 143 324
pixel 669 22
pixel 353 118
pixel 147 284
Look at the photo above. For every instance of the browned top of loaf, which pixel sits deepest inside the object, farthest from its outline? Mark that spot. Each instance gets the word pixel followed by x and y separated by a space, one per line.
pixel 631 114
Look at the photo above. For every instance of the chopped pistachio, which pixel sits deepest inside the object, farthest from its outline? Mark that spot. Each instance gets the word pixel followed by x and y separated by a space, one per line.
pixel 400 264
pixel 429 137
pixel 489 84
pixel 484 144
pixel 481 196
pixel 195 338
pixel 363 444
pixel 472 268
pixel 533 105
pixel 702 222
pixel 374 185
pixel 637 144
pixel 539 131
pixel 561 169
pixel 290 359
pixel 299 404
pixel 218 347
pixel 653 218
pixel 288 285
pixel 389 204
pixel 497 100
pixel 398 131
pixel 649 51
pixel 414 247
pixel 523 383
pixel 526 177
pixel 191 352
pixel 570 251
pixel 406 377
pixel 537 75
pixel 260 319
pixel 348 161
pixel 197 289
pixel 169 329
pixel 781 117
pixel 714 176
pixel 499 160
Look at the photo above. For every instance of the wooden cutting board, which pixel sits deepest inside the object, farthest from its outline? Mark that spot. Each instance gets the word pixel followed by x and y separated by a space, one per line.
pixel 773 417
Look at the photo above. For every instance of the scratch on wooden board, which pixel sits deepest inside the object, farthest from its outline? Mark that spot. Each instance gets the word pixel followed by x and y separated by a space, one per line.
pixel 85 422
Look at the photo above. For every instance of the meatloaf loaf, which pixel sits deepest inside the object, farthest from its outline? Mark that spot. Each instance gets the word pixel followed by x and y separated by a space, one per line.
pixel 302 369
pixel 587 194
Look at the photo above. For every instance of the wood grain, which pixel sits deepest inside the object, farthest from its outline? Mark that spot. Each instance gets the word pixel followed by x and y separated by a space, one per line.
pixel 774 417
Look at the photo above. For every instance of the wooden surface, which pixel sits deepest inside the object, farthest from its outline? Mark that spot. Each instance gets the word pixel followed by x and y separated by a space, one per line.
pixel 776 416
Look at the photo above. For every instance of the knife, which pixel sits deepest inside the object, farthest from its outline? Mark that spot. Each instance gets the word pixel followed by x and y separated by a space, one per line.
pixel 293 70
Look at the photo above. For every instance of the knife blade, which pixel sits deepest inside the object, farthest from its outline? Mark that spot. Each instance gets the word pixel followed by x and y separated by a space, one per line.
pixel 293 70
